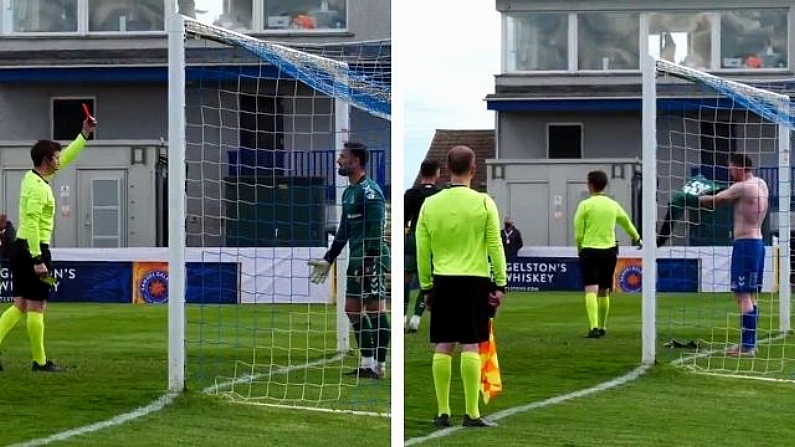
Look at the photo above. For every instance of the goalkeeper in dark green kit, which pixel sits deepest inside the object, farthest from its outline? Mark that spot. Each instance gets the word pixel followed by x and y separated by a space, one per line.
pixel 362 228
pixel 684 198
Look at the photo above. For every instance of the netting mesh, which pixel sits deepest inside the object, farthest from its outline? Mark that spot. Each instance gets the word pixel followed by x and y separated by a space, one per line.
pixel 264 124
pixel 701 123
pixel 338 73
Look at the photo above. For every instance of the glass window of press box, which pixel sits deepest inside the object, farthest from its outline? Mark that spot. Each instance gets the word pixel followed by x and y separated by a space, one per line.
pixel 746 39
pixel 148 16
pixel 300 15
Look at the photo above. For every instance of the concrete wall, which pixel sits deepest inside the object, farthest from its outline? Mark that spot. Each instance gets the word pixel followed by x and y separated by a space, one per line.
pixel 125 112
pixel 542 195
pixel 73 188
pixel 532 182
pixel 139 113
pixel 605 135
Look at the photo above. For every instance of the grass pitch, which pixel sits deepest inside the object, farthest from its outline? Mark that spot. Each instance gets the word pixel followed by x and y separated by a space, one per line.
pixel 116 356
pixel 543 354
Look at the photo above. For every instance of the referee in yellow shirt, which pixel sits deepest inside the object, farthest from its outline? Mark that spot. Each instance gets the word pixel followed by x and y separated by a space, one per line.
pixel 29 256
pixel 594 230
pixel 458 230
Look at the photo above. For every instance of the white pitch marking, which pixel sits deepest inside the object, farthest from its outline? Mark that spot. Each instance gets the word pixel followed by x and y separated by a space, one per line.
pixel 618 381
pixel 154 407
pixel 634 374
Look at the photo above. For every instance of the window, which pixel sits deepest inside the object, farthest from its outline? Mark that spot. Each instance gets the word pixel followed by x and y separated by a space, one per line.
pixel 538 42
pixel 44 16
pixel 67 117
pixel 564 140
pixel 754 39
pixel 231 14
pixel 126 15
pixel 683 37
pixel 717 142
pixel 261 134
pixel 106 213
pixel 305 15
pixel 138 16
pixel 608 41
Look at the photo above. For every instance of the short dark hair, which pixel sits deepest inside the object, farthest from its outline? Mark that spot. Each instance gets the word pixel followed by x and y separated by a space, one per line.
pixel 741 161
pixel 460 161
pixel 42 150
pixel 358 150
pixel 597 180
pixel 429 167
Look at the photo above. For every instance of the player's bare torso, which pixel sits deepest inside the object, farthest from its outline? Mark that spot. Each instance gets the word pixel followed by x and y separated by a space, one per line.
pixel 750 208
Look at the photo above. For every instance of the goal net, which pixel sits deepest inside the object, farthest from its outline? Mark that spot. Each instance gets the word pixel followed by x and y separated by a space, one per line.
pixel 253 198
pixel 703 123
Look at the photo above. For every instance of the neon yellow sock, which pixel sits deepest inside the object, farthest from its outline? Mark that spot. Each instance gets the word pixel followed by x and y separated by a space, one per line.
pixel 36 335
pixel 470 375
pixel 442 374
pixel 592 306
pixel 604 309
pixel 8 320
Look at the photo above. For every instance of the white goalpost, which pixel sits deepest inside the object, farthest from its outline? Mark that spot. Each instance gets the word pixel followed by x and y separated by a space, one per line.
pixel 255 128
pixel 692 123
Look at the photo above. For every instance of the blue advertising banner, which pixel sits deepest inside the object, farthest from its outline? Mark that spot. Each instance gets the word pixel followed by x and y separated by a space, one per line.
pixel 539 274
pixel 134 282
pixel 213 283
pixel 207 282
pixel 81 281
pixel 526 274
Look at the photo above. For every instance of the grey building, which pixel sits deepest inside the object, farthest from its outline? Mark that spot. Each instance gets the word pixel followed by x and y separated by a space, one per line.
pixel 568 99
pixel 111 55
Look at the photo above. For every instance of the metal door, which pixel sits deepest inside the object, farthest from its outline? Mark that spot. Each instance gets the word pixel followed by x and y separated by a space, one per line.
pixel 102 208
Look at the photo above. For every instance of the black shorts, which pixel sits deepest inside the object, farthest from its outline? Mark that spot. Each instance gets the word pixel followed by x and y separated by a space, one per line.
pixel 460 310
pixel 598 266
pixel 24 280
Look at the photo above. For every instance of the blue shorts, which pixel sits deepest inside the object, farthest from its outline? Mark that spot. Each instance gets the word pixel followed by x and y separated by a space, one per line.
pixel 748 265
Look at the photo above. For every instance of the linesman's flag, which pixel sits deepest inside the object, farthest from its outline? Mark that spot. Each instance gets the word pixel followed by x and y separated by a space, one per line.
pixel 490 379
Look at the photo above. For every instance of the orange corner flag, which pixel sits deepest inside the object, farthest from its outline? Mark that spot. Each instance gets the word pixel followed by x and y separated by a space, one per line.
pixel 490 379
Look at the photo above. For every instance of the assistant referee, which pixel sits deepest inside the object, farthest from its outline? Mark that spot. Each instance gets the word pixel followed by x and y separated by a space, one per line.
pixel 458 231
pixel 595 234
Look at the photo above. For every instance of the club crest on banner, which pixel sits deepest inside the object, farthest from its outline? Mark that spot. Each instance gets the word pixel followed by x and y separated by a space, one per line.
pixel 628 275
pixel 150 282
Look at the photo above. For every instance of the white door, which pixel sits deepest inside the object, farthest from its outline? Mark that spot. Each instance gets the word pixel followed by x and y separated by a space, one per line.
pixel 529 204
pixel 102 209
pixel 12 180
pixel 576 192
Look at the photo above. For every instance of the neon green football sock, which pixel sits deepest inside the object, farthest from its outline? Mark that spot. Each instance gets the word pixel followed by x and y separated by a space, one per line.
pixel 592 306
pixel 604 309
pixel 8 320
pixel 470 375
pixel 36 335
pixel 442 374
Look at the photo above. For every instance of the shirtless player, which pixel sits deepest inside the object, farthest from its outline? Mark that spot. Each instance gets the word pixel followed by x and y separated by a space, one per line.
pixel 749 195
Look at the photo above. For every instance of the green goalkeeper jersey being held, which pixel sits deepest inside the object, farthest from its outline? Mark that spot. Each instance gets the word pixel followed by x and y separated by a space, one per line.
pixel 687 197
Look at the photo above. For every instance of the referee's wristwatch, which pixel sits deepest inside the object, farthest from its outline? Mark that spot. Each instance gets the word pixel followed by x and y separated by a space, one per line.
pixel 38 260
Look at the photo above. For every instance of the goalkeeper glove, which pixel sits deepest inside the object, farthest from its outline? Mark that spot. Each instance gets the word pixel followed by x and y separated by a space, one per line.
pixel 320 270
